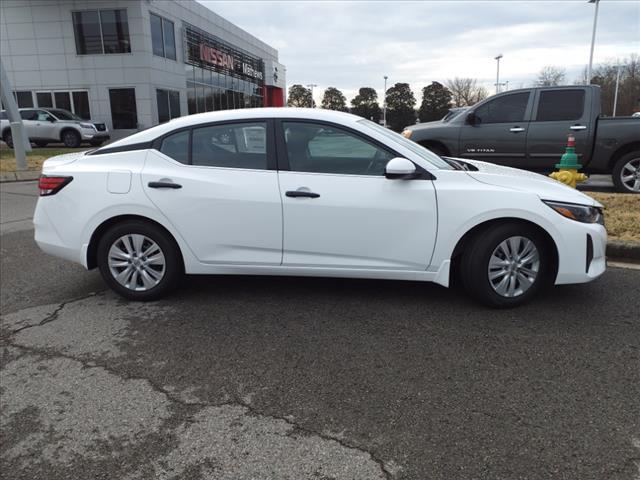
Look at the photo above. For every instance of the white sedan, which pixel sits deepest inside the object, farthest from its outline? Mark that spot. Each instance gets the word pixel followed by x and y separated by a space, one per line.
pixel 310 192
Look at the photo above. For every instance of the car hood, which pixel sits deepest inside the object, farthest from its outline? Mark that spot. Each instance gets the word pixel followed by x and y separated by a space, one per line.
pixel 515 179
pixel 425 125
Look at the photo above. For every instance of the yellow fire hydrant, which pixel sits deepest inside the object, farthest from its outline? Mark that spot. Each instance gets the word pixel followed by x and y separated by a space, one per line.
pixel 568 167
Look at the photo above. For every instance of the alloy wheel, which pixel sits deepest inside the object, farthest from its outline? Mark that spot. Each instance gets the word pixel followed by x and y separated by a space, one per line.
pixel 513 266
pixel 136 262
pixel 630 175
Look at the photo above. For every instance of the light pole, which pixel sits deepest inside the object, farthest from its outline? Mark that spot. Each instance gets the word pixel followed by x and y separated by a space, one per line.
pixel 615 96
pixel 311 85
pixel 593 40
pixel 498 73
pixel 384 103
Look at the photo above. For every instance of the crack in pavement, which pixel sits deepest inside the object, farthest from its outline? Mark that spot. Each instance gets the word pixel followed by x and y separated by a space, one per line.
pixel 387 469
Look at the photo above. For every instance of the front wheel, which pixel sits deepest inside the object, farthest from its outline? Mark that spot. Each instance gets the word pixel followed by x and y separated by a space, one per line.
pixel 138 260
pixel 626 173
pixel 8 139
pixel 71 138
pixel 506 265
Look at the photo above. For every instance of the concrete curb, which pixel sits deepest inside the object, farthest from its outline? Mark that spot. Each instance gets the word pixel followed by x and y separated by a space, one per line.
pixel 622 250
pixel 19 176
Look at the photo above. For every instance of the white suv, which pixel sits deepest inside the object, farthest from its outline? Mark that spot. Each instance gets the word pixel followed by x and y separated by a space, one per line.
pixel 53 125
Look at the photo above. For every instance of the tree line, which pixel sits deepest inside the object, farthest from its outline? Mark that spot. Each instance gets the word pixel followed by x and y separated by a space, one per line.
pixel 438 98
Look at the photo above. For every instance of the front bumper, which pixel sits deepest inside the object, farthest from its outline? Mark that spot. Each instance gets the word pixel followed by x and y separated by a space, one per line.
pixel 582 257
pixel 93 135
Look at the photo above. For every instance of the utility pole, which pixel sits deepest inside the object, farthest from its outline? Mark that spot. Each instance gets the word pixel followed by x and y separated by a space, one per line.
pixel 19 139
pixel 498 73
pixel 593 40
pixel 311 85
pixel 384 103
pixel 615 97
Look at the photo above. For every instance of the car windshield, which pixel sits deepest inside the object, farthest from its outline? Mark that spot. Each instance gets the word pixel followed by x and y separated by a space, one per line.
pixel 61 114
pixel 451 114
pixel 419 150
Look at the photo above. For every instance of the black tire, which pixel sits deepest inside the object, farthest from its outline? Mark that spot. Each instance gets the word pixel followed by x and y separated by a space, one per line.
pixel 71 139
pixel 96 143
pixel 41 144
pixel 474 264
pixel 8 138
pixel 630 160
pixel 173 269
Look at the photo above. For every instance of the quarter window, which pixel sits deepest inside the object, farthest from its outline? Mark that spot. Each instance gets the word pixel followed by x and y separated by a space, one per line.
pixel 555 105
pixel 504 109
pixel 176 146
pixel 101 31
pixel 163 37
pixel 322 148
pixel 238 145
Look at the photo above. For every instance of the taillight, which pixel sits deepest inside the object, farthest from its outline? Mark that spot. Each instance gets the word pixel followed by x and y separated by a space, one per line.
pixel 52 185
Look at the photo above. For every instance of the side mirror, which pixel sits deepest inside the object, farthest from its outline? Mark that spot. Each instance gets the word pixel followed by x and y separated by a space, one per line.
pixel 51 119
pixel 471 118
pixel 400 169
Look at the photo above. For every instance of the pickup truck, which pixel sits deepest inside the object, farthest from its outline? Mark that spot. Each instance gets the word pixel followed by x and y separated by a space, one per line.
pixel 528 129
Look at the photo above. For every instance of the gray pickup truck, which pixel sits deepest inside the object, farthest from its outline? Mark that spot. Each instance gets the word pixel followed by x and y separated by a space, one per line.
pixel 528 129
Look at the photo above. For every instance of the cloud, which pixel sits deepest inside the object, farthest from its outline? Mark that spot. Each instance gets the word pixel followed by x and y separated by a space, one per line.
pixel 353 44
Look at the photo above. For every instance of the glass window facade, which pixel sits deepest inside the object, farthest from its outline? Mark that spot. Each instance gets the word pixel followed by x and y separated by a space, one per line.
pixel 220 76
pixel 163 37
pixel 123 108
pixel 101 31
pixel 168 104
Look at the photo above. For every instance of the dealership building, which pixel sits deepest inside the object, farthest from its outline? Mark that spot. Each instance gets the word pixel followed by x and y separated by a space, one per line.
pixel 133 64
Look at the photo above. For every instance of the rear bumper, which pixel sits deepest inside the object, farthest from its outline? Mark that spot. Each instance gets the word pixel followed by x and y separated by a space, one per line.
pixel 48 238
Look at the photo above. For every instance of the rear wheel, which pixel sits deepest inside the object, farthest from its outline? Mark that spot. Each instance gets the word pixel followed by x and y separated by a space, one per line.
pixel 626 173
pixel 71 138
pixel 139 260
pixel 506 265
pixel 8 138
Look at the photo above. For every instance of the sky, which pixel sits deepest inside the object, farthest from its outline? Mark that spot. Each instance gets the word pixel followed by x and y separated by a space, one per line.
pixel 349 45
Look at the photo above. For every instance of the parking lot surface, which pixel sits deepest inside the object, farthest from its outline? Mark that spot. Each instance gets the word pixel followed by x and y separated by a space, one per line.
pixel 299 378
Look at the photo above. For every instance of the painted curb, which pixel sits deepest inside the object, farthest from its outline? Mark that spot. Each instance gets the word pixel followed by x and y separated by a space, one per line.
pixel 623 250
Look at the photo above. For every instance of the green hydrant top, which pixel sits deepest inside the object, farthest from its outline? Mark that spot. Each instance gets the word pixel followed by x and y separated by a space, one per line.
pixel 569 160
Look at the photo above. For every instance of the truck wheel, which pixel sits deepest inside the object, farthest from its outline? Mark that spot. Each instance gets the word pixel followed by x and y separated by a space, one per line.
pixel 139 260
pixel 626 173
pixel 8 139
pixel 506 265
pixel 71 139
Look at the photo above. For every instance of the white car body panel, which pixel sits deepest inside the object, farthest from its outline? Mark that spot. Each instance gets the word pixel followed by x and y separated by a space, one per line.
pixel 239 221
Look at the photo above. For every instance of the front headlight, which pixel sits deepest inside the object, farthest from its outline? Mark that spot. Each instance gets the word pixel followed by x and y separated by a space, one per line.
pixel 87 125
pixel 579 213
pixel 406 133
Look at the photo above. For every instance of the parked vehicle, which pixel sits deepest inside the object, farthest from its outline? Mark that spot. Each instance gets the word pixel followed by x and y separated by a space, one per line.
pixel 528 129
pixel 453 112
pixel 310 192
pixel 53 125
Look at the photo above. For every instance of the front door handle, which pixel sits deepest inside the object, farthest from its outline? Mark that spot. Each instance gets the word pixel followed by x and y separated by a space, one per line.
pixel 301 193
pixel 164 185
pixel 516 129
pixel 578 127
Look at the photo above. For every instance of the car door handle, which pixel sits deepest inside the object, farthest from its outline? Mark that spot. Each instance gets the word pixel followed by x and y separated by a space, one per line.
pixel 164 185
pixel 516 129
pixel 578 127
pixel 301 193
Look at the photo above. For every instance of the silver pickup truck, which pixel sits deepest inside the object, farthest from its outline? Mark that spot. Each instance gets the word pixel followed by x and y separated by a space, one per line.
pixel 55 125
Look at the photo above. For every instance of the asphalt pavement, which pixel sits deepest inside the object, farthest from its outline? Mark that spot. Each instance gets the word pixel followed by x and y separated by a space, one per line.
pixel 307 378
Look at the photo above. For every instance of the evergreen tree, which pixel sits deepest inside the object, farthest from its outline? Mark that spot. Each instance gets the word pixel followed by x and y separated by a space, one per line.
pixel 436 102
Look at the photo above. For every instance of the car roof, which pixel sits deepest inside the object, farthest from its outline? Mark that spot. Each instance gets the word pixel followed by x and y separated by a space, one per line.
pixel 233 115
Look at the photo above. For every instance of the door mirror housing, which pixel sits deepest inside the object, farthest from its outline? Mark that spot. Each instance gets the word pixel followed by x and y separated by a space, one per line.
pixel 400 169
pixel 471 118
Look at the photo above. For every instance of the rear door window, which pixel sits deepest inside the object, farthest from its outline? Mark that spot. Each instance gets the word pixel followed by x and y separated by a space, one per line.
pixel 557 105
pixel 237 145
pixel 28 114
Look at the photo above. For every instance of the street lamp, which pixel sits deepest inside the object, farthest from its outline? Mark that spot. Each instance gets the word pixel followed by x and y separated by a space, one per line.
pixel 384 103
pixel 311 85
pixel 498 73
pixel 593 40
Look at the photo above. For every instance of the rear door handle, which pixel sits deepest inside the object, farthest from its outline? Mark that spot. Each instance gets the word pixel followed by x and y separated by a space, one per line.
pixel 164 185
pixel 516 129
pixel 301 193
pixel 578 127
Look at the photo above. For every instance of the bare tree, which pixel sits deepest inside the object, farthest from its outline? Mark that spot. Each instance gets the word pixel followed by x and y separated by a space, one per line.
pixel 466 91
pixel 550 76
